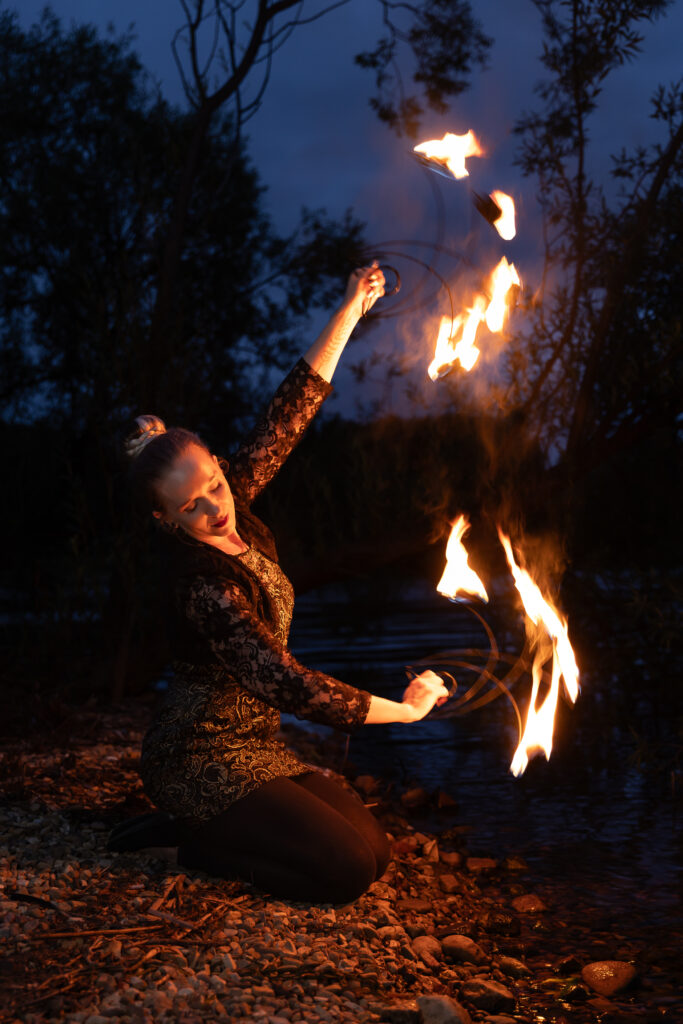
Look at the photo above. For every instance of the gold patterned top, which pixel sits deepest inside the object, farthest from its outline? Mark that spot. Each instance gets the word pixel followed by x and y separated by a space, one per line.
pixel 214 738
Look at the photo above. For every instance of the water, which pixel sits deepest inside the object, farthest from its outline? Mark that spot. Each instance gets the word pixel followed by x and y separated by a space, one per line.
pixel 589 818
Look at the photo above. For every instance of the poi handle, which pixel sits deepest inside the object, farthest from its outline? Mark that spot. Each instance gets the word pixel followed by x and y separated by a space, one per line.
pixel 397 286
pixel 412 674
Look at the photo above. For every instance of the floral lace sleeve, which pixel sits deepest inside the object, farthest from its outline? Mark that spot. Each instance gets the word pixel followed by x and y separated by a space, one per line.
pixel 279 430
pixel 262 665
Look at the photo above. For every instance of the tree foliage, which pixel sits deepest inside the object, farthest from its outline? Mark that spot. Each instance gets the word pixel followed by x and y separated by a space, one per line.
pixel 89 157
pixel 599 365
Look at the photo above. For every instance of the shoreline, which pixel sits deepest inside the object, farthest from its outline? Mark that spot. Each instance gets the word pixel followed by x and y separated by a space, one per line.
pixel 443 936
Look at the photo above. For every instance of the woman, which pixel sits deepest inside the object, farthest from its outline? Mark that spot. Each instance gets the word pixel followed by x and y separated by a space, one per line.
pixel 236 801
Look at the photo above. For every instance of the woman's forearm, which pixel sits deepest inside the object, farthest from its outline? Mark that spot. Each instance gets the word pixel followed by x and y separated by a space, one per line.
pixel 364 287
pixel 382 711
pixel 422 694
pixel 324 353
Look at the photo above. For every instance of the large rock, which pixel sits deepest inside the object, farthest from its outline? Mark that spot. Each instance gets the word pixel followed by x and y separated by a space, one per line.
pixel 488 995
pixel 463 950
pixel 442 1010
pixel 606 977
pixel 428 949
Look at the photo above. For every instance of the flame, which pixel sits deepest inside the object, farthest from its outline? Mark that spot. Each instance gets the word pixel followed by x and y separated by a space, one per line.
pixel 458 576
pixel 550 639
pixel 505 224
pixel 457 345
pixel 452 150
pixel 502 279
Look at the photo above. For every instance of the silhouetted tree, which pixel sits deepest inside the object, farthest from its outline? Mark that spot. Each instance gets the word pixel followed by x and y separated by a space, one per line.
pixel 241 42
pixel 597 362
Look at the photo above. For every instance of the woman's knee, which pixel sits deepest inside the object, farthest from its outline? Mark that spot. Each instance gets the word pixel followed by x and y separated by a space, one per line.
pixel 353 874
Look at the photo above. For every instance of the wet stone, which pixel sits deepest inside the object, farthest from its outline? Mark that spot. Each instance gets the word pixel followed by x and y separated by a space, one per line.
pixel 415 798
pixel 529 904
pixel 481 865
pixel 515 864
pixel 488 995
pixel 606 977
pixel 567 965
pixel 499 922
pixel 512 967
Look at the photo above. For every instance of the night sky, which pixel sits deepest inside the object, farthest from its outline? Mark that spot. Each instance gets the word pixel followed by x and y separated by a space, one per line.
pixel 316 141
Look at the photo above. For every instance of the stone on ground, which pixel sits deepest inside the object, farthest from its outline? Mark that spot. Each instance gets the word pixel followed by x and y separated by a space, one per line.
pixel 488 995
pixel 442 1010
pixel 463 950
pixel 606 977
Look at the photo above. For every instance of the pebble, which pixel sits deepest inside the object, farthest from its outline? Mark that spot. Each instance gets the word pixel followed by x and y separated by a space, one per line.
pixel 607 977
pixel 433 942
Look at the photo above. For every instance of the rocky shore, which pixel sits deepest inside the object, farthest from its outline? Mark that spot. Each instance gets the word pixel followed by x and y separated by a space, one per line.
pixel 444 936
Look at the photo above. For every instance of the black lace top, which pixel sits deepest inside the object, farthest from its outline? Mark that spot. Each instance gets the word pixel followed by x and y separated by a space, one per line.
pixel 214 739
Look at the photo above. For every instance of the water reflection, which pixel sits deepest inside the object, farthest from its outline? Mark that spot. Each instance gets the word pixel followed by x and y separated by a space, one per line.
pixel 587 816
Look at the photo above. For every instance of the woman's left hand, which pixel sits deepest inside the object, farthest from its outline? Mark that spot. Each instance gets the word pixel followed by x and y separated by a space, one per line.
pixel 365 286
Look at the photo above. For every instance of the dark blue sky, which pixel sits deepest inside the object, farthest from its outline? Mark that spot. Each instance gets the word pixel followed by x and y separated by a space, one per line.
pixel 316 141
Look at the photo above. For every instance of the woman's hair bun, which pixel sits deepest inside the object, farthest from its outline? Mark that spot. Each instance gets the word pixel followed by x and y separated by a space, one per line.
pixel 146 429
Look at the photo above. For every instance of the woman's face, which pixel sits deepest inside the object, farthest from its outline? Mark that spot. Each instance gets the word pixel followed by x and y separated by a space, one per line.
pixel 195 496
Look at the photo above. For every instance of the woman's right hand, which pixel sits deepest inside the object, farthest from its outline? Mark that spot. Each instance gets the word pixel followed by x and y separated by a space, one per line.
pixel 422 693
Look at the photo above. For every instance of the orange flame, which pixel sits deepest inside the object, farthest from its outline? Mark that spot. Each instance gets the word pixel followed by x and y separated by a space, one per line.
pixel 458 576
pixel 457 345
pixel 502 280
pixel 452 150
pixel 549 639
pixel 505 224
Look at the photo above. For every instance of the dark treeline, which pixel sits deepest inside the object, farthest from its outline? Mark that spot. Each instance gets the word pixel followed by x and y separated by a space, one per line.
pixel 140 273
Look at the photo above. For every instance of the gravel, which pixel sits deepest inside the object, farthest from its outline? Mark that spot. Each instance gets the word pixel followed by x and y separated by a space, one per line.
pixel 90 937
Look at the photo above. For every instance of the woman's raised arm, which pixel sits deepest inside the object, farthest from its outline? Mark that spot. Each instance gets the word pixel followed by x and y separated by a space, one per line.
pixel 365 286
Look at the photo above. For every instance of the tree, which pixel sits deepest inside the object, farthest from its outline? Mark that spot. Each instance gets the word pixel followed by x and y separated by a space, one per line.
pixel 442 36
pixel 599 362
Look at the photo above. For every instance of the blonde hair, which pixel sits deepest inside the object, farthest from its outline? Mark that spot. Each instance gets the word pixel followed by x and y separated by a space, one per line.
pixel 147 427
pixel 152 448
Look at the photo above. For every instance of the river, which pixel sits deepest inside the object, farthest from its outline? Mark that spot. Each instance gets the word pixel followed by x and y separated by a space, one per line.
pixel 591 816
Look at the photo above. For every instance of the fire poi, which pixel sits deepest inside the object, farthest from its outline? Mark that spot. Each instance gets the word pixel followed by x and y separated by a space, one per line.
pixel 546 629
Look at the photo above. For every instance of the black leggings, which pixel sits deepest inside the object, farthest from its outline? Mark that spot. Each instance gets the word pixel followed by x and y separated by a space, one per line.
pixel 304 838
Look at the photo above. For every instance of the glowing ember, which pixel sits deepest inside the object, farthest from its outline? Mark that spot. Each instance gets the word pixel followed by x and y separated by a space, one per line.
pixel 452 151
pixel 502 280
pixel 505 224
pixel 458 576
pixel 549 638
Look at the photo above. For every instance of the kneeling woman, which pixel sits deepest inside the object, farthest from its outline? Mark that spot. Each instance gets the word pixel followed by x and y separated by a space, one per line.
pixel 241 804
